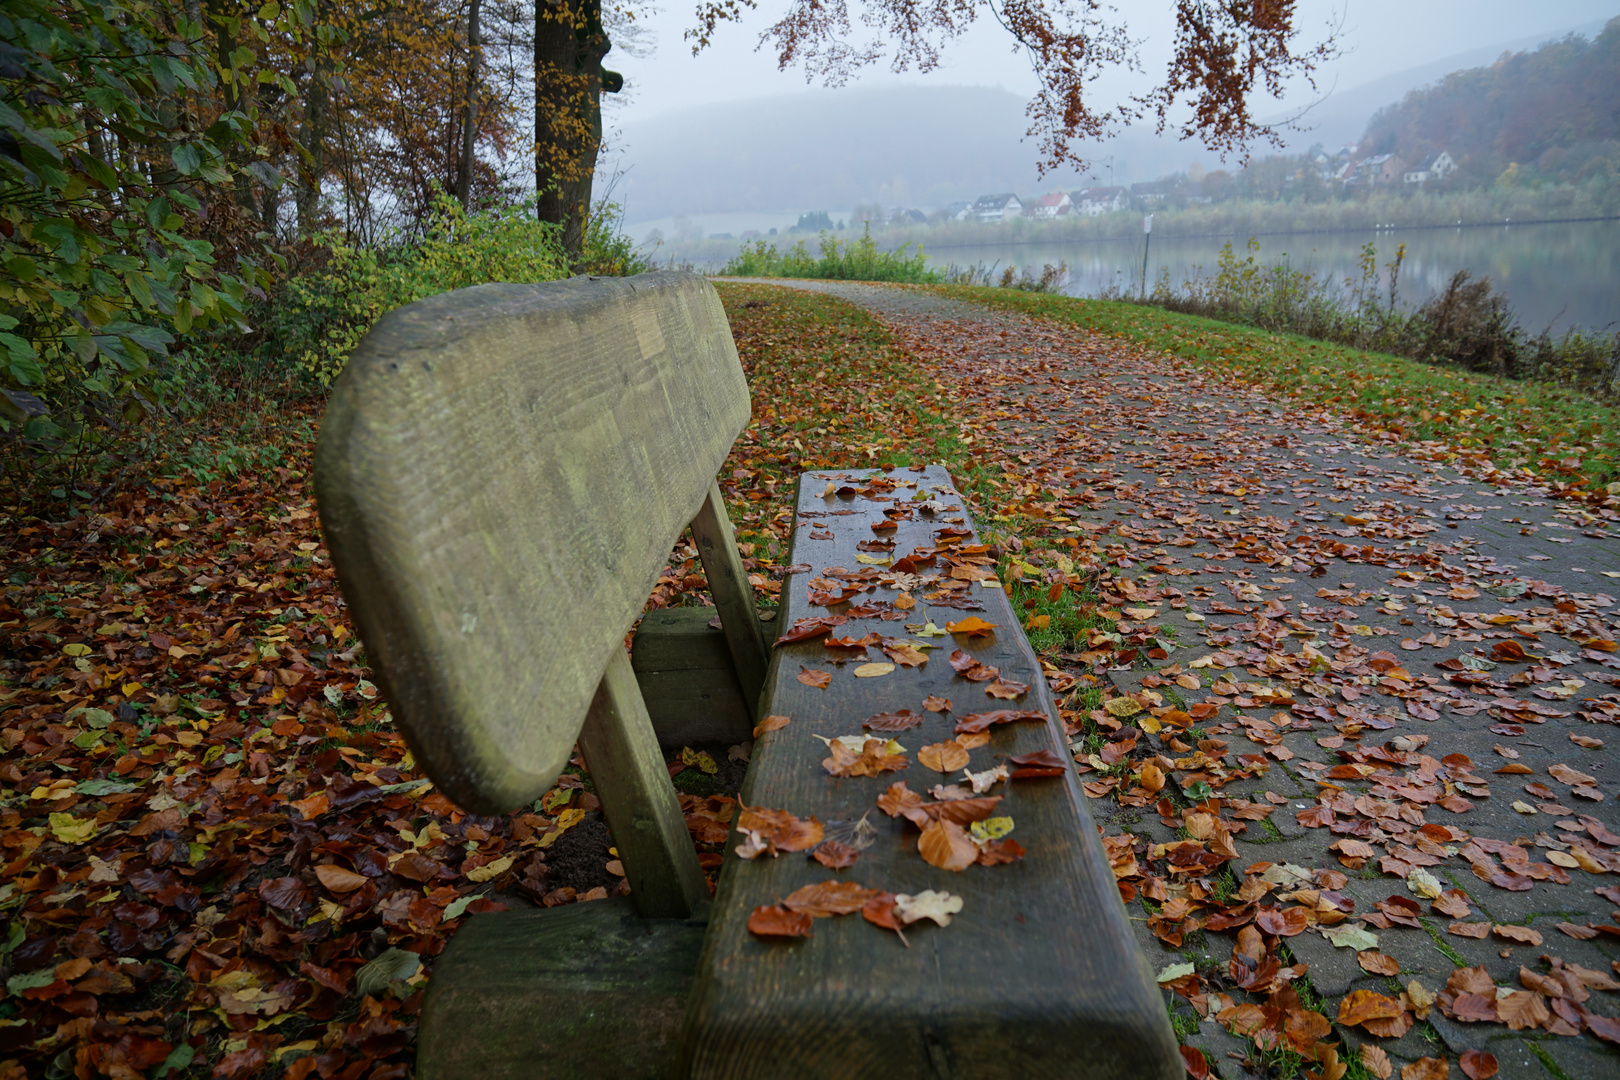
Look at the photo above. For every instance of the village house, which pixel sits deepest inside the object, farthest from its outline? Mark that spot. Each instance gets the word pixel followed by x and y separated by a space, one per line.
pixel 1378 169
pixel 1051 205
pixel 1441 167
pixel 1099 200
pixel 1149 194
pixel 997 207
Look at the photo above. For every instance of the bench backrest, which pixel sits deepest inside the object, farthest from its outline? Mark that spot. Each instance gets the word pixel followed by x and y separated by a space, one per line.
pixel 501 474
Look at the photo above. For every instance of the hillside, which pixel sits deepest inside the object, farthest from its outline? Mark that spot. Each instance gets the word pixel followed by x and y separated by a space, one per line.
pixel 1545 115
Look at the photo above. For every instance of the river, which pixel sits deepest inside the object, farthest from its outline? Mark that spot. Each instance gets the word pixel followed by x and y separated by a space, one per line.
pixel 1554 275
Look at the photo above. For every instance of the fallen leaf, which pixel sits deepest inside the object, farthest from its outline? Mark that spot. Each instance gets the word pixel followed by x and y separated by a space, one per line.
pixel 935 704
pixel 1524 935
pixel 872 671
pixel 1378 963
pixel 1359 1006
pixel 339 880
pixel 901 720
pixel 938 906
pixel 813 677
pixel 781 829
pixel 777 921
pixel 944 844
pixel 1376 1061
pixel 1426 1068
pixel 829 898
pixel 835 855
pixel 945 757
pixel 1477 1064
pixel 972 626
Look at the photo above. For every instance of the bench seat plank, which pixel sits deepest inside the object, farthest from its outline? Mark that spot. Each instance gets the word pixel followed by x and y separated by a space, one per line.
pixel 1038 976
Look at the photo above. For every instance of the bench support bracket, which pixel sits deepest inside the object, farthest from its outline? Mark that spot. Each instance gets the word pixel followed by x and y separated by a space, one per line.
pixel 622 755
pixel 733 595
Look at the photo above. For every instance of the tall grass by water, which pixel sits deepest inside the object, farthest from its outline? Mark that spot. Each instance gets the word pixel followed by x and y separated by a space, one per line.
pixel 1467 325
pixel 852 260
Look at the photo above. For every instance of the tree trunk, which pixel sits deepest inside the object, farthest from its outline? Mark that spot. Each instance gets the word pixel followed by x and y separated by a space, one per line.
pixel 469 125
pixel 569 44
pixel 312 131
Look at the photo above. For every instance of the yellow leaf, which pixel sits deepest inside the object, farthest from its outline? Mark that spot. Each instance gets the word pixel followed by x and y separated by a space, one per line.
pixel 568 819
pixel 699 760
pixel 70 830
pixel 872 560
pixel 870 671
pixel 970 625
pixel 76 649
pixel 491 871
pixel 993 828
pixel 1122 707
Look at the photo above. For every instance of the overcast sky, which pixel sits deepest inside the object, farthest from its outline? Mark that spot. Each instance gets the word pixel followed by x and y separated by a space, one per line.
pixel 1379 37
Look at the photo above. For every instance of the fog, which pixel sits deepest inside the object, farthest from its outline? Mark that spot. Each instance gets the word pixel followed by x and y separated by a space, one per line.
pixel 726 133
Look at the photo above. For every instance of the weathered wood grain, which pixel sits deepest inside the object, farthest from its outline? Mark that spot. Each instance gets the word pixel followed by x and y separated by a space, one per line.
pixel 688 679
pixel 571 993
pixel 501 472
pixel 1037 977
pixel 733 595
pixel 621 754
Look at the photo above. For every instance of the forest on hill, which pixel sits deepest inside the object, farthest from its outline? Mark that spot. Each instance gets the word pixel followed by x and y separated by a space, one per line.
pixel 1546 116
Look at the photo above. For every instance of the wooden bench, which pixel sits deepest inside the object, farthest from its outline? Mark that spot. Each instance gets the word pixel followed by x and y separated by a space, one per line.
pixel 502 473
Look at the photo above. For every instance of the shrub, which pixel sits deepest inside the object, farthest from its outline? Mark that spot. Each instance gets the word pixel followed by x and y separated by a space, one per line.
pixel 1468 325
pixel 852 260
pixel 322 315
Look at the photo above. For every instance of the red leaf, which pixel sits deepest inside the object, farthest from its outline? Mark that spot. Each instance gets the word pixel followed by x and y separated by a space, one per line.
pixel 777 921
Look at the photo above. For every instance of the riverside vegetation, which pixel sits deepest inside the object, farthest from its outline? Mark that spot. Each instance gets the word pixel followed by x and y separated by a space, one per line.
pixel 1467 325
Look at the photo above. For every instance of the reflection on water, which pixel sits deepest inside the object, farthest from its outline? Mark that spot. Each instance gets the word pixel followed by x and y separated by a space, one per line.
pixel 1560 275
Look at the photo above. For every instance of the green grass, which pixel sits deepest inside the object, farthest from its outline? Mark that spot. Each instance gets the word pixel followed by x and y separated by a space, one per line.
pixel 1562 435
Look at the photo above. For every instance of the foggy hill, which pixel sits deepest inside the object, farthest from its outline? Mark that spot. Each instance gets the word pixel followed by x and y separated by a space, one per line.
pixel 923 145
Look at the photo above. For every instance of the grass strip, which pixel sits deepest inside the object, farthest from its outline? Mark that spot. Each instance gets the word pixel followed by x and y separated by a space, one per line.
pixel 1562 436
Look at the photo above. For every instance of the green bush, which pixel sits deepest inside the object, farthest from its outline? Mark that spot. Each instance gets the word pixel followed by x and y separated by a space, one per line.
pixel 106 141
pixel 321 316
pixel 609 251
pixel 853 260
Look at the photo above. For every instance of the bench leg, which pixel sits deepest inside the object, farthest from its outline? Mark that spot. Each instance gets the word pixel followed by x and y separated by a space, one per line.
pixel 622 755
pixel 733 596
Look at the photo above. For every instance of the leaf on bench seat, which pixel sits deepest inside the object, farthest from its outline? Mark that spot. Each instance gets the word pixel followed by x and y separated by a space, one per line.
pixel 835 855
pixel 902 720
pixel 873 759
pixel 946 845
pixel 1007 689
pixel 973 626
pixel 986 720
pixel 970 668
pixel 805 629
pixel 813 677
pixel 938 906
pixel 778 921
pixel 773 723
pixel 945 757
pixel 780 828
pixel 829 898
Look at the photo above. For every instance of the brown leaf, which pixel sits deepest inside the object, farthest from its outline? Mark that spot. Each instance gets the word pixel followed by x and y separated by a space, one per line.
pixel 1452 902
pixel 771 723
pixel 945 757
pixel 944 844
pixel 871 761
pixel 835 855
pixel 1196 1065
pixel 1378 963
pixel 984 721
pixel 1522 1010
pixel 898 799
pixel 934 703
pixel 805 629
pixel 1007 689
pixel 1477 1064
pixel 1279 922
pixel 1510 651
pixel 997 852
pixel 879 911
pixel 961 811
pixel 339 880
pixel 287 893
pixel 1426 1068
pixel 829 898
pixel 903 720
pixel 1359 1006
pixel 780 828
pixel 1376 1061
pixel 813 677
pixel 1524 935
pixel 778 921
pixel 1476 930
pixel 1473 1008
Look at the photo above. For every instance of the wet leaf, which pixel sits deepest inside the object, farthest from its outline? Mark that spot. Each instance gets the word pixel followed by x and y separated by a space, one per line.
pixel 944 844
pixel 829 898
pixel 775 921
